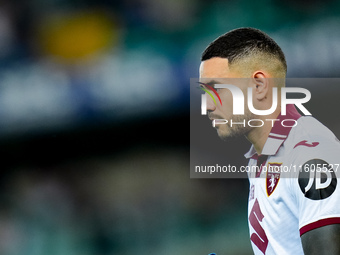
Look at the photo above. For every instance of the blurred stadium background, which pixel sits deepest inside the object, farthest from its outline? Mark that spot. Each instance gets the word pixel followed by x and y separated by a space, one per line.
pixel 94 121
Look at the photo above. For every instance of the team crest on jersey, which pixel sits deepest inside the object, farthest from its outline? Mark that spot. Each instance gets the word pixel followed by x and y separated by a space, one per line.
pixel 273 177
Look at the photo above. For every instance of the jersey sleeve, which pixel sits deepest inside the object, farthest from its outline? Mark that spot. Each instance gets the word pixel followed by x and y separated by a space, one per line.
pixel 317 185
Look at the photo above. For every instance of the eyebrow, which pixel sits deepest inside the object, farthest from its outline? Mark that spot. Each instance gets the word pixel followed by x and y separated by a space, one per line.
pixel 211 83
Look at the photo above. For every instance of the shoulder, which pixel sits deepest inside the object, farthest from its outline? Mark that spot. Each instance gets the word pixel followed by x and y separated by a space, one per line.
pixel 314 152
pixel 310 144
pixel 310 128
pixel 311 139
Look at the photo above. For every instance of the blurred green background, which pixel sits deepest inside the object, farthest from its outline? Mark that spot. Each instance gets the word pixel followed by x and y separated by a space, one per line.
pixel 94 121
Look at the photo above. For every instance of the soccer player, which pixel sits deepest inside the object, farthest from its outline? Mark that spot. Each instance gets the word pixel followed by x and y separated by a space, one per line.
pixel 296 215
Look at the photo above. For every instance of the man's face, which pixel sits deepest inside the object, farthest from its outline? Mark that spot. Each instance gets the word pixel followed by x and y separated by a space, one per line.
pixel 216 70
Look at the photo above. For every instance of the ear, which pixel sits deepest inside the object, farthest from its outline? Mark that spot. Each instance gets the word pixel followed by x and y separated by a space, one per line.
pixel 261 85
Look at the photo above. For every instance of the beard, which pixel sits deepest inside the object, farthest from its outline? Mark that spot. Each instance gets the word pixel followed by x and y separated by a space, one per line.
pixel 236 130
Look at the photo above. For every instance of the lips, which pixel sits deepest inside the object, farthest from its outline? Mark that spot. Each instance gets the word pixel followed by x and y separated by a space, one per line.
pixel 212 117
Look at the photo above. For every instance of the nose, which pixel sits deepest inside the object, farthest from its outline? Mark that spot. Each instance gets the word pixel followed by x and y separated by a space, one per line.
pixel 210 104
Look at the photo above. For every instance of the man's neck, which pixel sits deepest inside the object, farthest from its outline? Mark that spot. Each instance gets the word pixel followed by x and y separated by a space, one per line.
pixel 258 136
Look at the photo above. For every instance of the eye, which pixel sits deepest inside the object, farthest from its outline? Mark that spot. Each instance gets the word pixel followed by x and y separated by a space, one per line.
pixel 217 89
pixel 202 85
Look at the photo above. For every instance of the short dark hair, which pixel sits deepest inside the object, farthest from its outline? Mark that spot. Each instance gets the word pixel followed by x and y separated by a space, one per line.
pixel 243 42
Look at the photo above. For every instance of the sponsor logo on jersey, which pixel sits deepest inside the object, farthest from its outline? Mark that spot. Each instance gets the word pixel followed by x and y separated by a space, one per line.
pixel 317 179
pixel 308 144
pixel 273 177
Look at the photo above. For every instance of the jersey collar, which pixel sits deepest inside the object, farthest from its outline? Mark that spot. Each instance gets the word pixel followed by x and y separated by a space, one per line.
pixel 277 135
